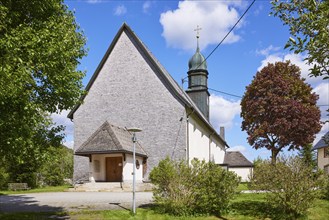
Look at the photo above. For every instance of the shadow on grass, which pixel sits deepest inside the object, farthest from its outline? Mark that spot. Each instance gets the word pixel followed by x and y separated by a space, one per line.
pixel 158 209
pixel 26 207
pixel 258 209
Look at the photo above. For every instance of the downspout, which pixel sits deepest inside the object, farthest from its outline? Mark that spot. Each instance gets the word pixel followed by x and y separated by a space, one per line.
pixel 210 145
pixel 188 136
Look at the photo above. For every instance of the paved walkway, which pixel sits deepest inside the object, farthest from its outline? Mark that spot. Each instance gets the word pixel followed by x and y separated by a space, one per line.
pixel 70 201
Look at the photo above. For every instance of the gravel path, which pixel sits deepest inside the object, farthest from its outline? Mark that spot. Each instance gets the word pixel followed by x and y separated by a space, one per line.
pixel 71 201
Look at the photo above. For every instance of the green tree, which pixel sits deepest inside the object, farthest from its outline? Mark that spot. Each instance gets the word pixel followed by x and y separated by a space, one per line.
pixel 308 156
pixel 308 24
pixel 40 48
pixel 279 109
pixel 58 166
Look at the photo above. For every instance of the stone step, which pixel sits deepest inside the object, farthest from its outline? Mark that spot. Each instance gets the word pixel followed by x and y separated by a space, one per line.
pixel 111 187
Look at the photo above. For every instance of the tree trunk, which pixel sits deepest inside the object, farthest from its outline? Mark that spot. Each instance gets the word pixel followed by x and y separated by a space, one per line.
pixel 274 155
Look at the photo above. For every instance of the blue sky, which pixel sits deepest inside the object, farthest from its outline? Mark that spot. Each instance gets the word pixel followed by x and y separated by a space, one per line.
pixel 167 29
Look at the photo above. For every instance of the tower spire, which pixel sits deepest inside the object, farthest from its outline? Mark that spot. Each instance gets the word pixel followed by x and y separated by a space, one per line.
pixel 197 36
pixel 198 79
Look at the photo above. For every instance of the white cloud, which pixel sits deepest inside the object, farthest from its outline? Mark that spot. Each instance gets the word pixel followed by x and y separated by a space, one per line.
pixel 258 10
pixel 214 17
pixel 94 1
pixel 296 59
pixel 61 119
pixel 222 111
pixel 146 6
pixel 266 51
pixel 69 144
pixel 323 91
pixel 238 148
pixel 120 10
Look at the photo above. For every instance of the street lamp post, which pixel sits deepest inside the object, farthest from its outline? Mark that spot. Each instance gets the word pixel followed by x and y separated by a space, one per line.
pixel 134 139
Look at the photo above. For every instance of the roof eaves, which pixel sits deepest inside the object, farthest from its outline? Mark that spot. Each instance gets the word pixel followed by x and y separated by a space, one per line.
pixel 87 153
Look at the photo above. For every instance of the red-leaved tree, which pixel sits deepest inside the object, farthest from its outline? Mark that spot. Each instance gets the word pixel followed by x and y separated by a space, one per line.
pixel 279 109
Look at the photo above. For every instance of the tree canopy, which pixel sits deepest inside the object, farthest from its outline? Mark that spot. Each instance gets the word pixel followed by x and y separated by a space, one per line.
pixel 308 23
pixel 279 109
pixel 40 49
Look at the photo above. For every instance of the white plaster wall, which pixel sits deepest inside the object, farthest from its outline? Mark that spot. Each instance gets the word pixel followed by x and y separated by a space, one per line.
pixel 321 160
pixel 203 145
pixel 217 152
pixel 244 172
pixel 128 169
pixel 198 141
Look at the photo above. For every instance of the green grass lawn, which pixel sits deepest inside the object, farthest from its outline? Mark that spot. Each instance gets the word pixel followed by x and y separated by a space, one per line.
pixel 244 206
pixel 38 190
pixel 243 186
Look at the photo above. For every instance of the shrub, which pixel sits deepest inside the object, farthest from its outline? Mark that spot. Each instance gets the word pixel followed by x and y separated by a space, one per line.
pixel 291 185
pixel 199 188
pixel 4 177
pixel 325 188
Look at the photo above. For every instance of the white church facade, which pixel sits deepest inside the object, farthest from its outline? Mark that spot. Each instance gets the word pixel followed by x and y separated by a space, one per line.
pixel 130 88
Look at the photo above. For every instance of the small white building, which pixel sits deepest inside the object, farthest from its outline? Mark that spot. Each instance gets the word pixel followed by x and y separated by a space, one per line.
pixel 235 161
pixel 322 148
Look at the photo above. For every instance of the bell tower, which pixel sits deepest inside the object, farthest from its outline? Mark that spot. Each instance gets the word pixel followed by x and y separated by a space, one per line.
pixel 198 80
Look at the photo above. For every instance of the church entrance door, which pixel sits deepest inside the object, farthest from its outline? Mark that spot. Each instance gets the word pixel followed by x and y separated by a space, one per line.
pixel 113 169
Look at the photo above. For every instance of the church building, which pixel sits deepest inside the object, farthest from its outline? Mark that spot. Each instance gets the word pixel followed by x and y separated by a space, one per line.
pixel 130 88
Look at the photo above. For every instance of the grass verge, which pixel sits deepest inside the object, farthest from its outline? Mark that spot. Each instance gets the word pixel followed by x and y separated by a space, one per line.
pixel 244 206
pixel 38 190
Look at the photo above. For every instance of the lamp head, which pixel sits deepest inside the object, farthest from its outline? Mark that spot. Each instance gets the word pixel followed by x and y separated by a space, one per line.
pixel 134 129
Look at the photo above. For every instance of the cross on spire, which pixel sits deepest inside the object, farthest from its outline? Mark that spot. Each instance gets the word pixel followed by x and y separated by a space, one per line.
pixel 197 36
pixel 197 31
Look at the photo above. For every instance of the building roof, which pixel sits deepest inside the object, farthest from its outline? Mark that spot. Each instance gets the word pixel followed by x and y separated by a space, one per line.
pixel 236 159
pixel 171 84
pixel 323 142
pixel 109 139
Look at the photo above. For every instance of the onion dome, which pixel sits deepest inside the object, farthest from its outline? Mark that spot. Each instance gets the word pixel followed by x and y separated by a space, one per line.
pixel 197 61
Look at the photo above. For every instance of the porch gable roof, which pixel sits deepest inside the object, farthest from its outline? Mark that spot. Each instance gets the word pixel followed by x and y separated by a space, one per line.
pixel 109 139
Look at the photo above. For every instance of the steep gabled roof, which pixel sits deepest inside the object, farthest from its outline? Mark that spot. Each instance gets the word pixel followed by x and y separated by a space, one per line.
pixel 179 93
pixel 109 139
pixel 236 159
pixel 323 142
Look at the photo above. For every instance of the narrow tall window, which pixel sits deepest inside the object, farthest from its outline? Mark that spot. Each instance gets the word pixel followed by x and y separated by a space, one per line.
pixel 326 152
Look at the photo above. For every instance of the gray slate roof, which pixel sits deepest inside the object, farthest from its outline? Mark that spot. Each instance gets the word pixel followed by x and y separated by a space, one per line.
pixel 236 159
pixel 323 142
pixel 179 93
pixel 109 139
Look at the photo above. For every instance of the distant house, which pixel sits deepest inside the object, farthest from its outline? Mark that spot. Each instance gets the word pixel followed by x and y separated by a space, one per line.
pixel 235 161
pixel 322 148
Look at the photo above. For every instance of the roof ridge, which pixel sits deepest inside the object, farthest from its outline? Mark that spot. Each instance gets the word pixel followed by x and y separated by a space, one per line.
pixel 93 135
pixel 114 137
